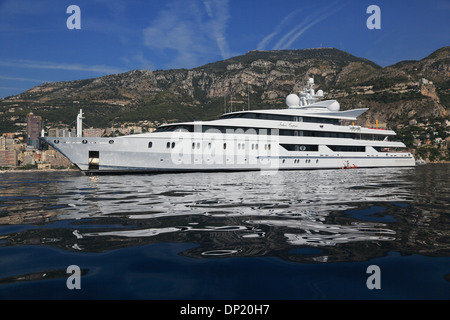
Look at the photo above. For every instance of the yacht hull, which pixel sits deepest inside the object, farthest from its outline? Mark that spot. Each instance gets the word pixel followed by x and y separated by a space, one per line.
pixel 132 154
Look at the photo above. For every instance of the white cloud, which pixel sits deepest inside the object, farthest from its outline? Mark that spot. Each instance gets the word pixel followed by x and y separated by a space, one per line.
pixel 190 31
pixel 279 28
pixel 143 63
pixel 27 64
pixel 11 88
pixel 21 79
pixel 306 22
pixel 219 14
pixel 321 15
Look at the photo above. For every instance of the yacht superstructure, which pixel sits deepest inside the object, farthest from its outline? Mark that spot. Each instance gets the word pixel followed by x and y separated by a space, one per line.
pixel 308 134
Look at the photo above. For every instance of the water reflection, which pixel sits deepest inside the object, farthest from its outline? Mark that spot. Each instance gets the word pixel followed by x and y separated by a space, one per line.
pixel 349 214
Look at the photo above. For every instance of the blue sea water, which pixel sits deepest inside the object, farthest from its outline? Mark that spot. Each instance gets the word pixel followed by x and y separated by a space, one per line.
pixel 293 235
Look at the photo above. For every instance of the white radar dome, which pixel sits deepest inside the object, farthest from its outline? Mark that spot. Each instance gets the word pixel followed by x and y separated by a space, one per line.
pixel 311 81
pixel 293 101
pixel 334 106
pixel 319 93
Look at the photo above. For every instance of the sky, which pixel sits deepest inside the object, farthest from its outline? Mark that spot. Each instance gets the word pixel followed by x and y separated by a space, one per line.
pixel 45 40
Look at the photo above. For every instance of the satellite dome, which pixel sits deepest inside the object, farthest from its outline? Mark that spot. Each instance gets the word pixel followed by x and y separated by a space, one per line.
pixel 293 101
pixel 319 93
pixel 334 106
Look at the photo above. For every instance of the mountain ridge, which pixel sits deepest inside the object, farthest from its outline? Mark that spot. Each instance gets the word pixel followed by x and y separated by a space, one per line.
pixel 263 78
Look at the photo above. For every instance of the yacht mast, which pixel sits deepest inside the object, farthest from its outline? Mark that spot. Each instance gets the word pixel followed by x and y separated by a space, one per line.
pixel 80 124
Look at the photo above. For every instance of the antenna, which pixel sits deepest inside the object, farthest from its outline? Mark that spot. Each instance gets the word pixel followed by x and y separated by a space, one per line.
pixel 248 94
pixel 231 102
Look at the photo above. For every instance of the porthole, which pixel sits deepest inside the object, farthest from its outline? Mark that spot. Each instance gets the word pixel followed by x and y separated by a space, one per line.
pixel 168 145
pixel 111 141
pixel 173 145
pixel 224 146
pixel 193 145
pixel 302 148
pixel 150 144
pixel 84 141
pixel 56 141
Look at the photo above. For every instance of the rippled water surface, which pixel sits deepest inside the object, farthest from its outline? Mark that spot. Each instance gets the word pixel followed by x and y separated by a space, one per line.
pixel 289 235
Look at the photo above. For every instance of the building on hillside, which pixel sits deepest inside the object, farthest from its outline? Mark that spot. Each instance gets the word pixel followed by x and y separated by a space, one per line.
pixel 27 157
pixel 55 159
pixel 7 143
pixel 10 135
pixel 54 132
pixel 3 143
pixel 34 127
pixel 135 129
pixel 42 166
pixel 8 158
pixel 93 132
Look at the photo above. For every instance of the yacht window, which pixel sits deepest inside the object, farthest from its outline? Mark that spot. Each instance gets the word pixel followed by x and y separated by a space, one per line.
pixel 348 148
pixel 176 128
pixel 150 144
pixel 321 120
pixel 173 145
pixel 303 147
pixel 168 145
